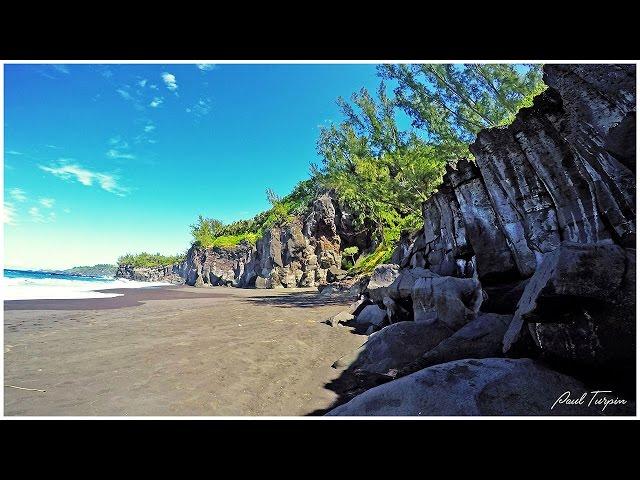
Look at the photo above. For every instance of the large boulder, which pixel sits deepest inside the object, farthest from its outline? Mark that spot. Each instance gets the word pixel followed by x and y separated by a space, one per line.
pixel 402 286
pixel 491 386
pixel 578 307
pixel 396 346
pixel 480 338
pixel 371 315
pixel 454 301
pixel 382 277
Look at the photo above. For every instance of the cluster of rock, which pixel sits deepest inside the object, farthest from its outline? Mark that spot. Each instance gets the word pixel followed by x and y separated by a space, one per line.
pixel 306 252
pixel 527 254
pixel 166 273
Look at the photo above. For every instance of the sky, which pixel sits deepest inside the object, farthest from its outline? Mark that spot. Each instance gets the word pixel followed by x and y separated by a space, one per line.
pixel 102 160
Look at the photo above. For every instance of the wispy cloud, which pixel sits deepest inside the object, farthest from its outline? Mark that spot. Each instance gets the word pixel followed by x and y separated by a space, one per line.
pixel 9 214
pixel 113 153
pixel 52 146
pixel 75 172
pixel 142 82
pixel 18 194
pixel 149 128
pixel 61 68
pixel 156 102
pixel 47 202
pixel 36 216
pixel 206 67
pixel 201 108
pixel 169 80
pixel 124 94
pixel 14 152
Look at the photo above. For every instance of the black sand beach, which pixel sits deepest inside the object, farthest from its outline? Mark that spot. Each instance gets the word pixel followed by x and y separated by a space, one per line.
pixel 174 351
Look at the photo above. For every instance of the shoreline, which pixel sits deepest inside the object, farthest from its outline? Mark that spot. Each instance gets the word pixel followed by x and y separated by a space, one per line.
pixel 126 297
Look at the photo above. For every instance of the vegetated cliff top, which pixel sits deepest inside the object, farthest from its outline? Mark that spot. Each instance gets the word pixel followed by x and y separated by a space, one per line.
pixel 148 260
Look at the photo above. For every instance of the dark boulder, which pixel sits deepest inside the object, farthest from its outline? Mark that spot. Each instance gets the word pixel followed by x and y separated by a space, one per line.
pixel 491 386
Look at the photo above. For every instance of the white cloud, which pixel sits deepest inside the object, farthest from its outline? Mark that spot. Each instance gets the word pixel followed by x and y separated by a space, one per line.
pixel 18 194
pixel 61 68
pixel 9 214
pixel 156 102
pixel 36 216
pixel 149 128
pixel 124 94
pixel 170 81
pixel 153 86
pixel 142 82
pixel 73 171
pixel 205 67
pixel 14 152
pixel 201 108
pixel 113 153
pixel 47 202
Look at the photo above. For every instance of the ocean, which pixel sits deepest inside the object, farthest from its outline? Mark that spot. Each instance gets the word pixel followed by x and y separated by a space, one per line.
pixel 31 285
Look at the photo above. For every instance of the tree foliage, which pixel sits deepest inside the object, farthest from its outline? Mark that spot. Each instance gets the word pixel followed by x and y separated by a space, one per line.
pixel 383 173
pixel 145 259
pixel 452 103
pixel 208 232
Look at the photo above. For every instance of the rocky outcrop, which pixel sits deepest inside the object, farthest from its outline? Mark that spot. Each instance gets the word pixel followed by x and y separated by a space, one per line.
pixel 305 252
pixel 219 266
pixel 562 171
pixel 560 176
pixel 492 386
pixel 540 228
pixel 579 307
pixel 166 273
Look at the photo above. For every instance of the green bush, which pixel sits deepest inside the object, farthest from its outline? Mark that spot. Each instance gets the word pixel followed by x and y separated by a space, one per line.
pixel 208 232
pixel 145 259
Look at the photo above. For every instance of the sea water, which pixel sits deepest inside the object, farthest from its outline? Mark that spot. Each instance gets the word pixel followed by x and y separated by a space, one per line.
pixel 31 285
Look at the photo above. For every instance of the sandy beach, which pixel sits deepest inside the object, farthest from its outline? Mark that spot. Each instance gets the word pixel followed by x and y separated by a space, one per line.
pixel 174 351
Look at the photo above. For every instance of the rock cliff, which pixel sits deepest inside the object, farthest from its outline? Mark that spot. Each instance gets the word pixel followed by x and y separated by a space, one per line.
pixel 543 224
pixel 166 273
pixel 306 252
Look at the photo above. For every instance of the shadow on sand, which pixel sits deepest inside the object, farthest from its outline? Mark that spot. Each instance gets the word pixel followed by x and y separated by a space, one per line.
pixel 299 299
pixel 353 381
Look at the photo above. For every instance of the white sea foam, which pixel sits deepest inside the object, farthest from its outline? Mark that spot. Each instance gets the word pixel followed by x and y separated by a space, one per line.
pixel 54 288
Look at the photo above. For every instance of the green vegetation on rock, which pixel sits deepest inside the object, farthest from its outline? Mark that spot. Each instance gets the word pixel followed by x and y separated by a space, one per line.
pixel 381 173
pixel 145 259
pixel 209 232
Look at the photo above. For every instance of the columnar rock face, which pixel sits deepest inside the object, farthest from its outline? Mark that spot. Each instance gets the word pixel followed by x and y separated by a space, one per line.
pixel 562 171
pixel 542 228
pixel 167 273
pixel 305 252
pixel 218 266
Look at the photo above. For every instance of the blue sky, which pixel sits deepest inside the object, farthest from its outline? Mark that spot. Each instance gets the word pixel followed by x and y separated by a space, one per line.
pixel 101 160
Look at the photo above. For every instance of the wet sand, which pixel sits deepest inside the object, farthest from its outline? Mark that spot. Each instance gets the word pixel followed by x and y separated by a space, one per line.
pixel 174 351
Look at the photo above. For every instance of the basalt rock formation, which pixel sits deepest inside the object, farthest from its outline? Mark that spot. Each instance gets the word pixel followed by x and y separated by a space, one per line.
pixel 166 273
pixel 543 222
pixel 305 252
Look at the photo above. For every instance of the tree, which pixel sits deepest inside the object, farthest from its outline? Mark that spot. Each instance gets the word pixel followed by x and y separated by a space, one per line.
pixel 352 252
pixel 382 173
pixel 452 103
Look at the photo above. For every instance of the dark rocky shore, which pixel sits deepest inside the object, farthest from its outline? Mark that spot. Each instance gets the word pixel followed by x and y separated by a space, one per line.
pixel 519 288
